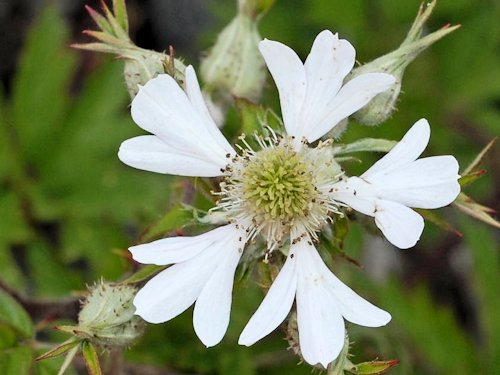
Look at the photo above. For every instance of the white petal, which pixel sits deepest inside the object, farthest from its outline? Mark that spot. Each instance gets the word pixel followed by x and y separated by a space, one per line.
pixel 407 150
pixel 198 101
pixel 163 108
pixel 321 327
pixel 172 291
pixel 289 75
pixel 400 225
pixel 355 308
pixel 326 67
pixel 179 249
pixel 356 193
pixel 352 307
pixel 351 97
pixel 213 306
pixel 425 183
pixel 275 306
pixel 150 153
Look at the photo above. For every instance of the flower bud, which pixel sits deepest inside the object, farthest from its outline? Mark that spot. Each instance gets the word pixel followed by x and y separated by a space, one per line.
pixel 234 64
pixel 383 105
pixel 140 64
pixel 107 316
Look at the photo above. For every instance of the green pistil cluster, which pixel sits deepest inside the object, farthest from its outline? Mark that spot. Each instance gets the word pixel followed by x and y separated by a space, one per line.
pixel 277 185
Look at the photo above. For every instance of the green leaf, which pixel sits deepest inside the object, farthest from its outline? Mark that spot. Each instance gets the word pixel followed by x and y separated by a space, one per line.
pixel 60 349
pixel 41 85
pixel 483 244
pixel 49 275
pixel 15 361
pixel 6 155
pixel 431 327
pixel 91 358
pixel 14 316
pixel 176 218
pixel 13 227
pixel 366 144
pixel 144 273
pixel 8 337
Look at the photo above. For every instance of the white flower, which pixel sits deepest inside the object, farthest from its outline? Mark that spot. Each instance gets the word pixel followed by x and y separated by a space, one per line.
pixel 399 180
pixel 385 191
pixel 281 188
pixel 312 97
pixel 203 271
pixel 322 302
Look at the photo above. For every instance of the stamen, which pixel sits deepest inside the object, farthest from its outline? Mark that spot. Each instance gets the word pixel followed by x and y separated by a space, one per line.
pixel 279 187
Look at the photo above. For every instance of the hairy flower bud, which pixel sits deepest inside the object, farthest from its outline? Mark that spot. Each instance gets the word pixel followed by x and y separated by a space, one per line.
pixel 234 64
pixel 107 316
pixel 140 64
pixel 383 105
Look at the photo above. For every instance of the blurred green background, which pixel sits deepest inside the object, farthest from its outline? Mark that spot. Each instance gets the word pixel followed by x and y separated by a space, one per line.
pixel 69 208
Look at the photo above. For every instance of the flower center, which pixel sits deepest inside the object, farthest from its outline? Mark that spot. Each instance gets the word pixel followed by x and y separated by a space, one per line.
pixel 277 184
pixel 279 187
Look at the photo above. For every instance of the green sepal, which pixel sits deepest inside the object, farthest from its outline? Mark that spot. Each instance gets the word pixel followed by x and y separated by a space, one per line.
pixel 254 117
pixel 101 21
pixel 374 367
pixel 433 217
pixel 120 11
pixel 91 358
pixel 467 205
pixel 61 349
pixel 480 157
pixel 365 144
pixel 144 273
pixel 472 177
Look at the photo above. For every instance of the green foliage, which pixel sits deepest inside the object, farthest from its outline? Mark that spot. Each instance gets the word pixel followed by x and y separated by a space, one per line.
pixel 486 267
pixel 15 361
pixel 13 316
pixel 17 341
pixel 64 194
pixel 67 202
